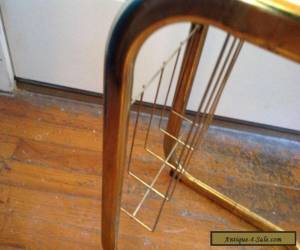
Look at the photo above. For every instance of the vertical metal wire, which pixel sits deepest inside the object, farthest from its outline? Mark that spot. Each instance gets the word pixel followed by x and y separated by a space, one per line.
pixel 155 179
pixel 179 169
pixel 209 85
pixel 197 140
pixel 198 126
pixel 197 116
pixel 207 117
pixel 134 131
pixel 159 73
pixel 170 85
pixel 154 104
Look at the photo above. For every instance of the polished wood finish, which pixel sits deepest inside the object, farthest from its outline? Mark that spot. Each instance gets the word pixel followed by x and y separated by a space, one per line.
pixel 50 183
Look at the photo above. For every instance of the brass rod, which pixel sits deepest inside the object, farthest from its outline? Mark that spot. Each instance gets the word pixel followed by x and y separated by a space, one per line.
pixel 212 94
pixel 134 26
pixel 232 206
pixel 136 219
pixel 134 131
pixel 204 118
pixel 170 85
pixel 203 99
pixel 197 140
pixel 147 185
pixel 176 139
pixel 153 106
pixel 155 179
pixel 207 118
pixel 186 77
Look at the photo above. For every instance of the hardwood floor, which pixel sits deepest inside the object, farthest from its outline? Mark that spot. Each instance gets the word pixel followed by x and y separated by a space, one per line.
pixel 50 183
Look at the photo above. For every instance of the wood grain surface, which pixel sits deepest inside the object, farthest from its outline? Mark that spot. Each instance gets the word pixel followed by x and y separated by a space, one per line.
pixel 50 183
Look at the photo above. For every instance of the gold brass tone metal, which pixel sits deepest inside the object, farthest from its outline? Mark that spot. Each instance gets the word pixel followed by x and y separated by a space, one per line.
pixel 234 207
pixel 185 81
pixel 194 41
pixel 208 103
pixel 290 7
pixel 261 22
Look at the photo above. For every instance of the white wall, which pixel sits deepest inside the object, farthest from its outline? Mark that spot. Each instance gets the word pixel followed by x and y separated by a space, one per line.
pixel 263 87
pixel 63 41
pixel 59 41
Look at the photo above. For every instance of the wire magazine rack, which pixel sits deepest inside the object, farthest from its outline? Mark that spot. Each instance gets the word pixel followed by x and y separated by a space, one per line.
pixel 184 143
pixel 272 25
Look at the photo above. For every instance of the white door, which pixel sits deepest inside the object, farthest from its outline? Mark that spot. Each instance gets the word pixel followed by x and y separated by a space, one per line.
pixel 62 42
pixel 6 72
pixel 59 41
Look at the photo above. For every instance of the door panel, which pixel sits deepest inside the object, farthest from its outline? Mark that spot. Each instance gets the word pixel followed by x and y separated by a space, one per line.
pixel 59 42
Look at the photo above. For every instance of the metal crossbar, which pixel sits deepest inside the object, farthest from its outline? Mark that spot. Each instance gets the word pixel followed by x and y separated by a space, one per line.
pixel 185 143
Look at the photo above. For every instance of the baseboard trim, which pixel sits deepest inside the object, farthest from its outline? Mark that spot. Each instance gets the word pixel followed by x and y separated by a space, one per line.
pixel 58 90
pixel 93 97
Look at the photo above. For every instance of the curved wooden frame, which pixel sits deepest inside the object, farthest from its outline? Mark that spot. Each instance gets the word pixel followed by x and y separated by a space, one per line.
pixel 253 21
